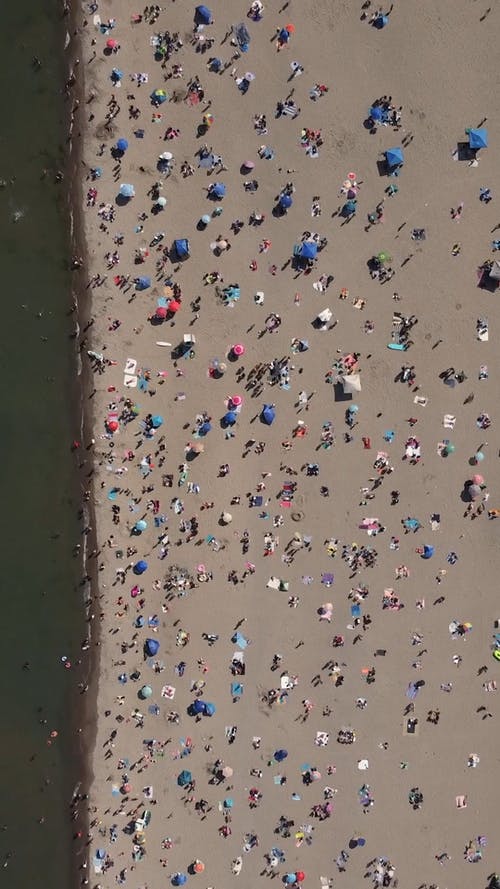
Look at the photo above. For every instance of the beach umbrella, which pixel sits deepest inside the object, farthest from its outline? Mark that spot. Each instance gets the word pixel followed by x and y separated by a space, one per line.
pixel 184 778
pixel 227 772
pixel 143 282
pixel 428 552
pixel 227 518
pixel 100 853
pixel 238 350
pixel 161 312
pixel 300 875
pixel 140 567
pixel 268 414
pixel 349 208
pixel 204 428
pixel 228 802
pixel 218 189
pixel 384 257
pixel 479 457
pixel 230 418
pixel 151 647
pixel 113 425
pixel 156 421
pixel 474 492
pixel 208 119
pixel 112 44
pixel 309 250
pixel 205 219
pixel 203 15
pixel 158 97
pixel 127 190
pixel 209 709
pixel 122 145
pixel 236 400
pixel 478 138
pixel 146 691
pixel 181 247
pixel 381 21
pixel 198 867
pixel 285 201
pixel 394 157
pixel 197 707
pixel 179 879
pixel 449 449
pixel 174 306
pixel 116 75
pixel 280 755
pixel 375 113
pixel 290 878
pixel 477 480
pixel 141 525
pixel 161 202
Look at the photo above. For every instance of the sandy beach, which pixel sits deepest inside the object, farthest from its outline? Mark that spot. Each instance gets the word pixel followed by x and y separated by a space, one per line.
pixel 296 521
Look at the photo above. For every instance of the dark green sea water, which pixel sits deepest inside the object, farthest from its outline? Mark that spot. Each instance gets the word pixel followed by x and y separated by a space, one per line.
pixel 40 597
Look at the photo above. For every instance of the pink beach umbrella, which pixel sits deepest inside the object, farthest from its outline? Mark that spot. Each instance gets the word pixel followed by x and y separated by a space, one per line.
pixel 236 400
pixel 238 350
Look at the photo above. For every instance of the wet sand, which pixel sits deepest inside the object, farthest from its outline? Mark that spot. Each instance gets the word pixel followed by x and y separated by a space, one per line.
pixel 419 60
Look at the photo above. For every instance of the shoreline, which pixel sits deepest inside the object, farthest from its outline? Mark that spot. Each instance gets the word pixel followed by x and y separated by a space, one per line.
pixel 133 741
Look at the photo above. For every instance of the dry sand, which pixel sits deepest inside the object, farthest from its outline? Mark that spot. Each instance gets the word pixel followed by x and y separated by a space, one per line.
pixel 436 61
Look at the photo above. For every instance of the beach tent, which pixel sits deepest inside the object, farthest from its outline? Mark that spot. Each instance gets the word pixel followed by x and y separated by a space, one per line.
pixel 242 36
pixel 280 755
pixel 308 250
pixel 143 283
pixel 428 552
pixel 181 247
pixel 351 384
pixel 478 138
pixel 375 113
pixel 209 709
pixel 203 15
pixel 268 414
pixel 151 647
pixel 184 778
pixel 349 209
pixel 394 157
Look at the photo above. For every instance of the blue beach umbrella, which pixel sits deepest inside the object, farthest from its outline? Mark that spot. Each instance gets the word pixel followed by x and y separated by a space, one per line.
pixel 381 21
pixel 268 414
pixel 116 75
pixel 140 526
pixel 280 755
pixel 309 250
pixel 140 567
pixel 151 647
pixel 143 283
pixel 145 692
pixel 209 709
pixel 428 552
pixel 196 708
pixel 204 428
pixel 349 209
pixel 375 113
pixel 184 778
pixel 179 879
pixel 285 201
pixel 218 189
pixel 127 190
pixel 394 157
pixel 478 138
pixel 230 418
pixel 122 145
pixel 203 15
pixel 157 421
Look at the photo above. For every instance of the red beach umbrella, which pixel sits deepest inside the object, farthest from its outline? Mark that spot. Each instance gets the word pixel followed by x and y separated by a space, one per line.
pixel 161 312
pixel 300 876
pixel 174 305
pixel 113 426
pixel 112 44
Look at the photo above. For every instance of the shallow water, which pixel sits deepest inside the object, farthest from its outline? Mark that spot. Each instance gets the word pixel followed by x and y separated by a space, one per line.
pixel 40 594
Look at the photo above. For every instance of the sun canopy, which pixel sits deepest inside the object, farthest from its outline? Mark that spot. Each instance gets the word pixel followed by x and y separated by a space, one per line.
pixel 181 247
pixel 478 138
pixel 309 250
pixel 268 414
pixel 151 647
pixel 351 384
pixel 240 31
pixel 375 113
pixel 203 15
pixel 394 157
